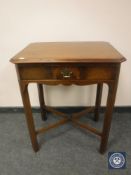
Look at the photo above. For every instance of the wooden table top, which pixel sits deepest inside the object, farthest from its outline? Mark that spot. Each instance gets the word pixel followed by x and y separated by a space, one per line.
pixel 64 52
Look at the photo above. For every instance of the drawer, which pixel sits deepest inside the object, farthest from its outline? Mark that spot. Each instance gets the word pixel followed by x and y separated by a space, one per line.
pixel 51 72
pixel 67 72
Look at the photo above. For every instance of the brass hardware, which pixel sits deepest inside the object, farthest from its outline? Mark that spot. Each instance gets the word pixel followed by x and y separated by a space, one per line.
pixel 66 73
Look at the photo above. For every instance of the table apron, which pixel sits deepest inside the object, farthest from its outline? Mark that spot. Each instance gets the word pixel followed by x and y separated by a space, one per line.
pixel 70 73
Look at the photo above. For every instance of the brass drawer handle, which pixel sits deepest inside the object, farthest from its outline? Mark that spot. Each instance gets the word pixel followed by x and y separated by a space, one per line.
pixel 66 73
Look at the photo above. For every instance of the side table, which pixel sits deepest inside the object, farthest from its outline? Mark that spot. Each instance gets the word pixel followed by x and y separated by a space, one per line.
pixel 67 63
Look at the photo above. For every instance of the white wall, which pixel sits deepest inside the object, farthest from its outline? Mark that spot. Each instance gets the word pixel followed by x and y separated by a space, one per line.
pixel 25 21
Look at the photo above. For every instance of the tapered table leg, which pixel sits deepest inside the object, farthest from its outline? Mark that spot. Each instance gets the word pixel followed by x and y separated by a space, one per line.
pixel 108 116
pixel 98 100
pixel 29 117
pixel 41 101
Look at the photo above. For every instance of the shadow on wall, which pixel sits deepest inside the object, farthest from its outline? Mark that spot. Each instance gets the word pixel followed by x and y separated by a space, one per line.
pixel 68 95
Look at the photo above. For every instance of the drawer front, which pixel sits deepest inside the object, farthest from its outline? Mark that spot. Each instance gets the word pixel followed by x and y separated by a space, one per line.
pixel 67 72
pixel 48 72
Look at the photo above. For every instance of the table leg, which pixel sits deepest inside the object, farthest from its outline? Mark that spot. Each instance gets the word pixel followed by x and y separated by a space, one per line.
pixel 29 117
pixel 41 101
pixel 108 116
pixel 98 100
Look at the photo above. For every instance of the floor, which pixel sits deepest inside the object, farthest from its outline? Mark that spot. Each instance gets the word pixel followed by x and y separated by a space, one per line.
pixel 66 150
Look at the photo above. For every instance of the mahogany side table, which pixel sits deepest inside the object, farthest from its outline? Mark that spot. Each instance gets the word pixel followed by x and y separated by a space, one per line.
pixel 67 63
